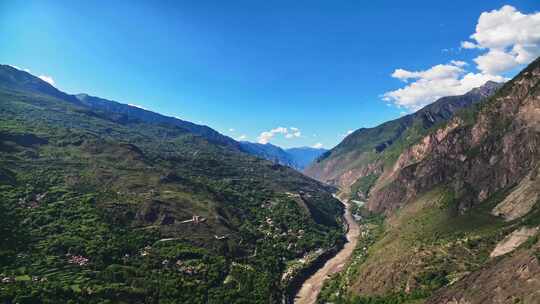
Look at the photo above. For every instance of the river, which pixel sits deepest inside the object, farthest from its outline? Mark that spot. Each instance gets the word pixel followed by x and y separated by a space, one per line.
pixel 312 286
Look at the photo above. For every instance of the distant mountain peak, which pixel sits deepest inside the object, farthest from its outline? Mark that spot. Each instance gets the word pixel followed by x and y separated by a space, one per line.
pixel 296 158
pixel 487 89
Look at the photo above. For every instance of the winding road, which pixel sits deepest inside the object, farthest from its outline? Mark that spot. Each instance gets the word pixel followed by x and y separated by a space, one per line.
pixel 313 285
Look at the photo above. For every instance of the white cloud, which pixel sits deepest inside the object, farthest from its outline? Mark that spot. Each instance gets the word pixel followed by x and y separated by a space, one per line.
pixel 495 62
pixel 440 71
pixel 459 63
pixel 295 132
pixel 241 137
pixel 232 130
pixel 469 45
pixel 20 69
pixel 436 82
pixel 290 133
pixel 140 107
pixel 346 133
pixel 506 37
pixel 510 37
pixel 47 79
pixel 265 137
pixel 317 145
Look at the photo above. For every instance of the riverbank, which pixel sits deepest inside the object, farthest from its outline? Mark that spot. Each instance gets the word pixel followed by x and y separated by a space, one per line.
pixel 312 286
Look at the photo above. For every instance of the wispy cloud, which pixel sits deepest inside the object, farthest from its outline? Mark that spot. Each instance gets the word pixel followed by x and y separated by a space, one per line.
pixel 265 136
pixel 346 133
pixel 47 79
pixel 288 133
pixel 140 107
pixel 317 145
pixel 436 82
pixel 294 132
pixel 20 69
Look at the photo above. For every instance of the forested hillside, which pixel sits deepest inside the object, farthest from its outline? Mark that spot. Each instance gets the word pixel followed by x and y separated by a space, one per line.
pixel 102 206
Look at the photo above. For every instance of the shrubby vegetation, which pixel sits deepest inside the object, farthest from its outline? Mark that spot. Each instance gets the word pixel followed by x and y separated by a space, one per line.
pixel 96 207
pixel 335 290
pixel 428 231
pixel 360 188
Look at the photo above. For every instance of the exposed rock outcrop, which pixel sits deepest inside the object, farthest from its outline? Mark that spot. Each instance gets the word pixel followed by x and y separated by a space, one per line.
pixel 476 159
pixel 521 200
pixel 366 149
pixel 513 241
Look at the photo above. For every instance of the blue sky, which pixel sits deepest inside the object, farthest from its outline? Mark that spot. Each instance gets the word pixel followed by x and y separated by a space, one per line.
pixel 248 67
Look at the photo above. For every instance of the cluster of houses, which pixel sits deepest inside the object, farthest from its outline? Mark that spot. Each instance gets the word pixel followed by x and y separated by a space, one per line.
pixel 32 203
pixel 185 269
pixel 8 280
pixel 145 251
pixel 77 259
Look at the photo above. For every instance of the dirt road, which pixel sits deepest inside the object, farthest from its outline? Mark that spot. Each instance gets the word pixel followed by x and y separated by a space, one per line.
pixel 312 286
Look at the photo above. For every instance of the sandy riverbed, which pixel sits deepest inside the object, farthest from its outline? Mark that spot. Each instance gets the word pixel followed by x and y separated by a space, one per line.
pixel 312 286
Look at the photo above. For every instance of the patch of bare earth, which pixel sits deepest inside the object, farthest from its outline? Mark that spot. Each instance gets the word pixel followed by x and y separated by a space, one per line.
pixel 513 241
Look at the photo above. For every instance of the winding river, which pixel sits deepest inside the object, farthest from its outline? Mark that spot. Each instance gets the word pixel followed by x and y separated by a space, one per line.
pixel 312 286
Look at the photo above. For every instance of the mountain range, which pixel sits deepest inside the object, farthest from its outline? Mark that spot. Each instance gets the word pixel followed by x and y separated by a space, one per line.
pixel 363 153
pixel 105 202
pixel 102 202
pixel 297 158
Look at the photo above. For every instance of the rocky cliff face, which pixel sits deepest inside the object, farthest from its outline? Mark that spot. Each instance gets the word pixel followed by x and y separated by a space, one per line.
pixel 366 151
pixel 476 156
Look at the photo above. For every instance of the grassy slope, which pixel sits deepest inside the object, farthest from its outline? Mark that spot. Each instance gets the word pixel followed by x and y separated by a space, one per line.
pixel 422 248
pixel 74 182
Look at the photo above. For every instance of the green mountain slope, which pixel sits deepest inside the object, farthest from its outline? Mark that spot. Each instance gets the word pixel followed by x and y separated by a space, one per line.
pixel 123 111
pixel 461 211
pixel 101 206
